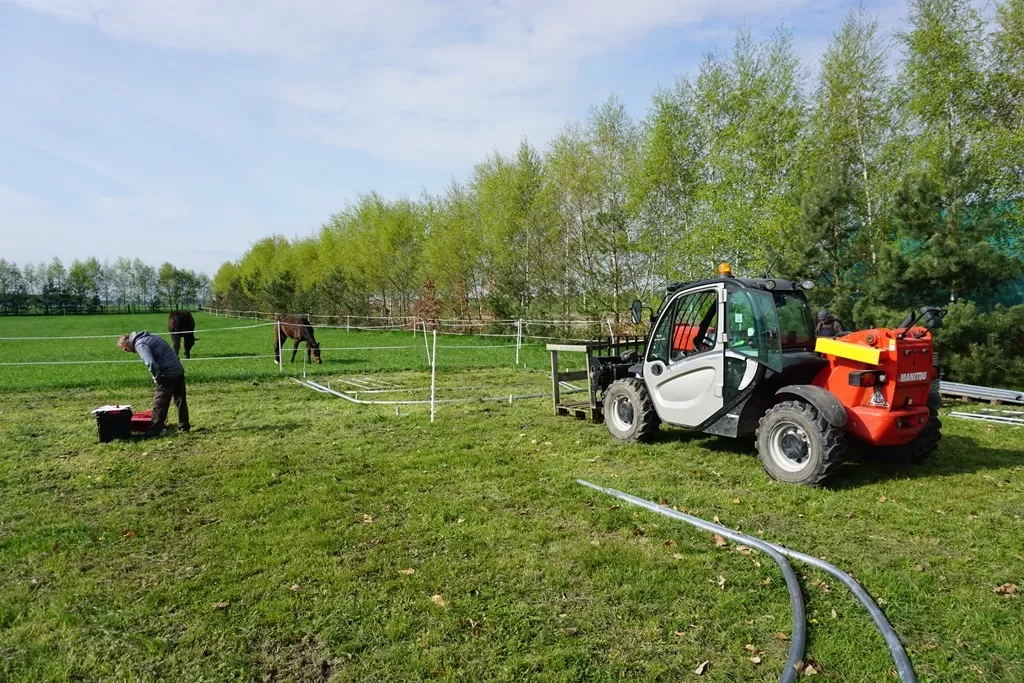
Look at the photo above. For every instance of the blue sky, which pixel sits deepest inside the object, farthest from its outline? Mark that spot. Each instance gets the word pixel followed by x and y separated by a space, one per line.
pixel 185 131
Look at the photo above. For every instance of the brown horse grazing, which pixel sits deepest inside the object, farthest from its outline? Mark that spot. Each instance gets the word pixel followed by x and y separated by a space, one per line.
pixel 182 325
pixel 299 329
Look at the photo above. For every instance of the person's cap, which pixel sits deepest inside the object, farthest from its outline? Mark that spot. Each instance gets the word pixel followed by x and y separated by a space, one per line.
pixel 823 315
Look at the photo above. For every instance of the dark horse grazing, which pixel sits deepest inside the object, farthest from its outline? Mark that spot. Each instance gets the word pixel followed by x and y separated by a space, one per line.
pixel 299 329
pixel 182 325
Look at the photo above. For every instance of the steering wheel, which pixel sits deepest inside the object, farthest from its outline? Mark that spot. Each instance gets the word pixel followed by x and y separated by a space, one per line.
pixel 705 343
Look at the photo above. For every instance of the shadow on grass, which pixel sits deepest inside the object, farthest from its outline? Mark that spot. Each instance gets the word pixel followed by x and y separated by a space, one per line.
pixel 956 455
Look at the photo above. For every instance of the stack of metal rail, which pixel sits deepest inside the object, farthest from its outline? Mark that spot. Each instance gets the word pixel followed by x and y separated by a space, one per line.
pixel 981 393
pixel 1006 417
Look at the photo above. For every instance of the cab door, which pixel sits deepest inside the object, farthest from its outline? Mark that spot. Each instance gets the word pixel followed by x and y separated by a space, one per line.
pixel 684 363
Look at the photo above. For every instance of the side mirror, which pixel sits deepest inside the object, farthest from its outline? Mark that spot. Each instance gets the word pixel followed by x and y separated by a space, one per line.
pixel 636 310
pixel 933 317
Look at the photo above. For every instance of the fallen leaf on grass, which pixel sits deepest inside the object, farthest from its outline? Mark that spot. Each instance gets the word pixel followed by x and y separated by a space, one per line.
pixel 438 600
pixel 721 582
pixel 719 541
pixel 296 588
pixel 716 519
pixel 781 636
pixel 750 648
pixel 570 631
pixel 460 520
pixel 929 646
pixel 128 533
pixel 744 550
pixel 670 543
pixel 224 604
pixel 834 615
pixel 919 567
pixel 1009 589
pixel 407 571
pixel 678 556
pixel 976 669
pixel 809 667
pixel 614 507
pixel 736 501
pixel 367 519
pixel 755 659
pixel 701 668
pixel 882 499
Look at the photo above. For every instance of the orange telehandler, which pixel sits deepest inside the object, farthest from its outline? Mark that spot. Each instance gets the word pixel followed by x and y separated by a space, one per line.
pixel 738 356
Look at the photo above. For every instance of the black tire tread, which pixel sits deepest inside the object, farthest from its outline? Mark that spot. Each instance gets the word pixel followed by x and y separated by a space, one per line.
pixel 922 447
pixel 833 440
pixel 648 420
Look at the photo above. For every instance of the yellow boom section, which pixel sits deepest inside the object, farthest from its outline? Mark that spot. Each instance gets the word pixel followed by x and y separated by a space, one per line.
pixel 841 349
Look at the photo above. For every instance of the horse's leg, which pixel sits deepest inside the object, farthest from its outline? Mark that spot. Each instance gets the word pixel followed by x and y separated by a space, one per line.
pixel 295 349
pixel 177 342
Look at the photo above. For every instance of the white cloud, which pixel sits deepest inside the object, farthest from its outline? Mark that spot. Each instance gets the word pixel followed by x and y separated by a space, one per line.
pixel 412 81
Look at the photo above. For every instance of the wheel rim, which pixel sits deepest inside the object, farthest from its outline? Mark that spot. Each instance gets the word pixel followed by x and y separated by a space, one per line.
pixel 789 446
pixel 622 413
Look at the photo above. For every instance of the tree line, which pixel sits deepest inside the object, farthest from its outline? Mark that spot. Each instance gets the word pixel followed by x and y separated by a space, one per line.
pixel 91 286
pixel 893 176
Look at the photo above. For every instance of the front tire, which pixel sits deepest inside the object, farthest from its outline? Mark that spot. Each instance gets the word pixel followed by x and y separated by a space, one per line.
pixel 629 412
pixel 795 444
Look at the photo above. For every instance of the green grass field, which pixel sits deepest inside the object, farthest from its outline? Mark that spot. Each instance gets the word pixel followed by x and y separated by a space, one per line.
pixel 292 536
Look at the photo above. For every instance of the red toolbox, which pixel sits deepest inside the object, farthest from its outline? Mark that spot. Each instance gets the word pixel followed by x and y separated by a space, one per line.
pixel 142 420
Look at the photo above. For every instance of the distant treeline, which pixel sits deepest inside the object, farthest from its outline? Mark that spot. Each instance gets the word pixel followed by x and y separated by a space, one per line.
pixel 93 287
pixel 894 178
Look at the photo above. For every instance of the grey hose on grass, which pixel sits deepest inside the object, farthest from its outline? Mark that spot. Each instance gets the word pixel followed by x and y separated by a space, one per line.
pixel 899 656
pixel 796 598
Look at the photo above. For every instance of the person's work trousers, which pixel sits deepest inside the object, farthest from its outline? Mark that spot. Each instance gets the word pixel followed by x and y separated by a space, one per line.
pixel 168 388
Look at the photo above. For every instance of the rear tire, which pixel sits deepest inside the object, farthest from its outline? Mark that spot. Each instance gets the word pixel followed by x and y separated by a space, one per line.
pixel 922 447
pixel 795 444
pixel 629 412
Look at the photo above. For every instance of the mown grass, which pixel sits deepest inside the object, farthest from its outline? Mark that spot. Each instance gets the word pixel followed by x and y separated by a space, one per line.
pixel 214 357
pixel 301 512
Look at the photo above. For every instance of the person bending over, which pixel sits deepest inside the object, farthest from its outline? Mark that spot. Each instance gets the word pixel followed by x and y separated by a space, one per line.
pixel 168 375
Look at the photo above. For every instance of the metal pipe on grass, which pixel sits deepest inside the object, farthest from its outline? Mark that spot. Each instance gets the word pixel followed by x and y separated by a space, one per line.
pixel 899 655
pixel 796 600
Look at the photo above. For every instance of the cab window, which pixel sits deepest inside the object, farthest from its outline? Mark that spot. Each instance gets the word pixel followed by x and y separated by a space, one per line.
pixel 797 330
pixel 753 326
pixel 689 327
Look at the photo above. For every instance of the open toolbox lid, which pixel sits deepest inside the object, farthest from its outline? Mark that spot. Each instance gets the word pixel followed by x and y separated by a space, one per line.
pixel 114 408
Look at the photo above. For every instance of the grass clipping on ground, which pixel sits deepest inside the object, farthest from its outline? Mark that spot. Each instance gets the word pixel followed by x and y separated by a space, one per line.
pixel 292 536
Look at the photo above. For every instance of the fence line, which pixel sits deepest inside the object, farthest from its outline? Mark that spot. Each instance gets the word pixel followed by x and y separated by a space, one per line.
pixel 128 360
pixel 118 336
pixel 462 322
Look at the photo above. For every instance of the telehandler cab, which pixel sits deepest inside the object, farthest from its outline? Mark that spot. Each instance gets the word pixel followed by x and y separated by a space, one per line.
pixel 738 356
